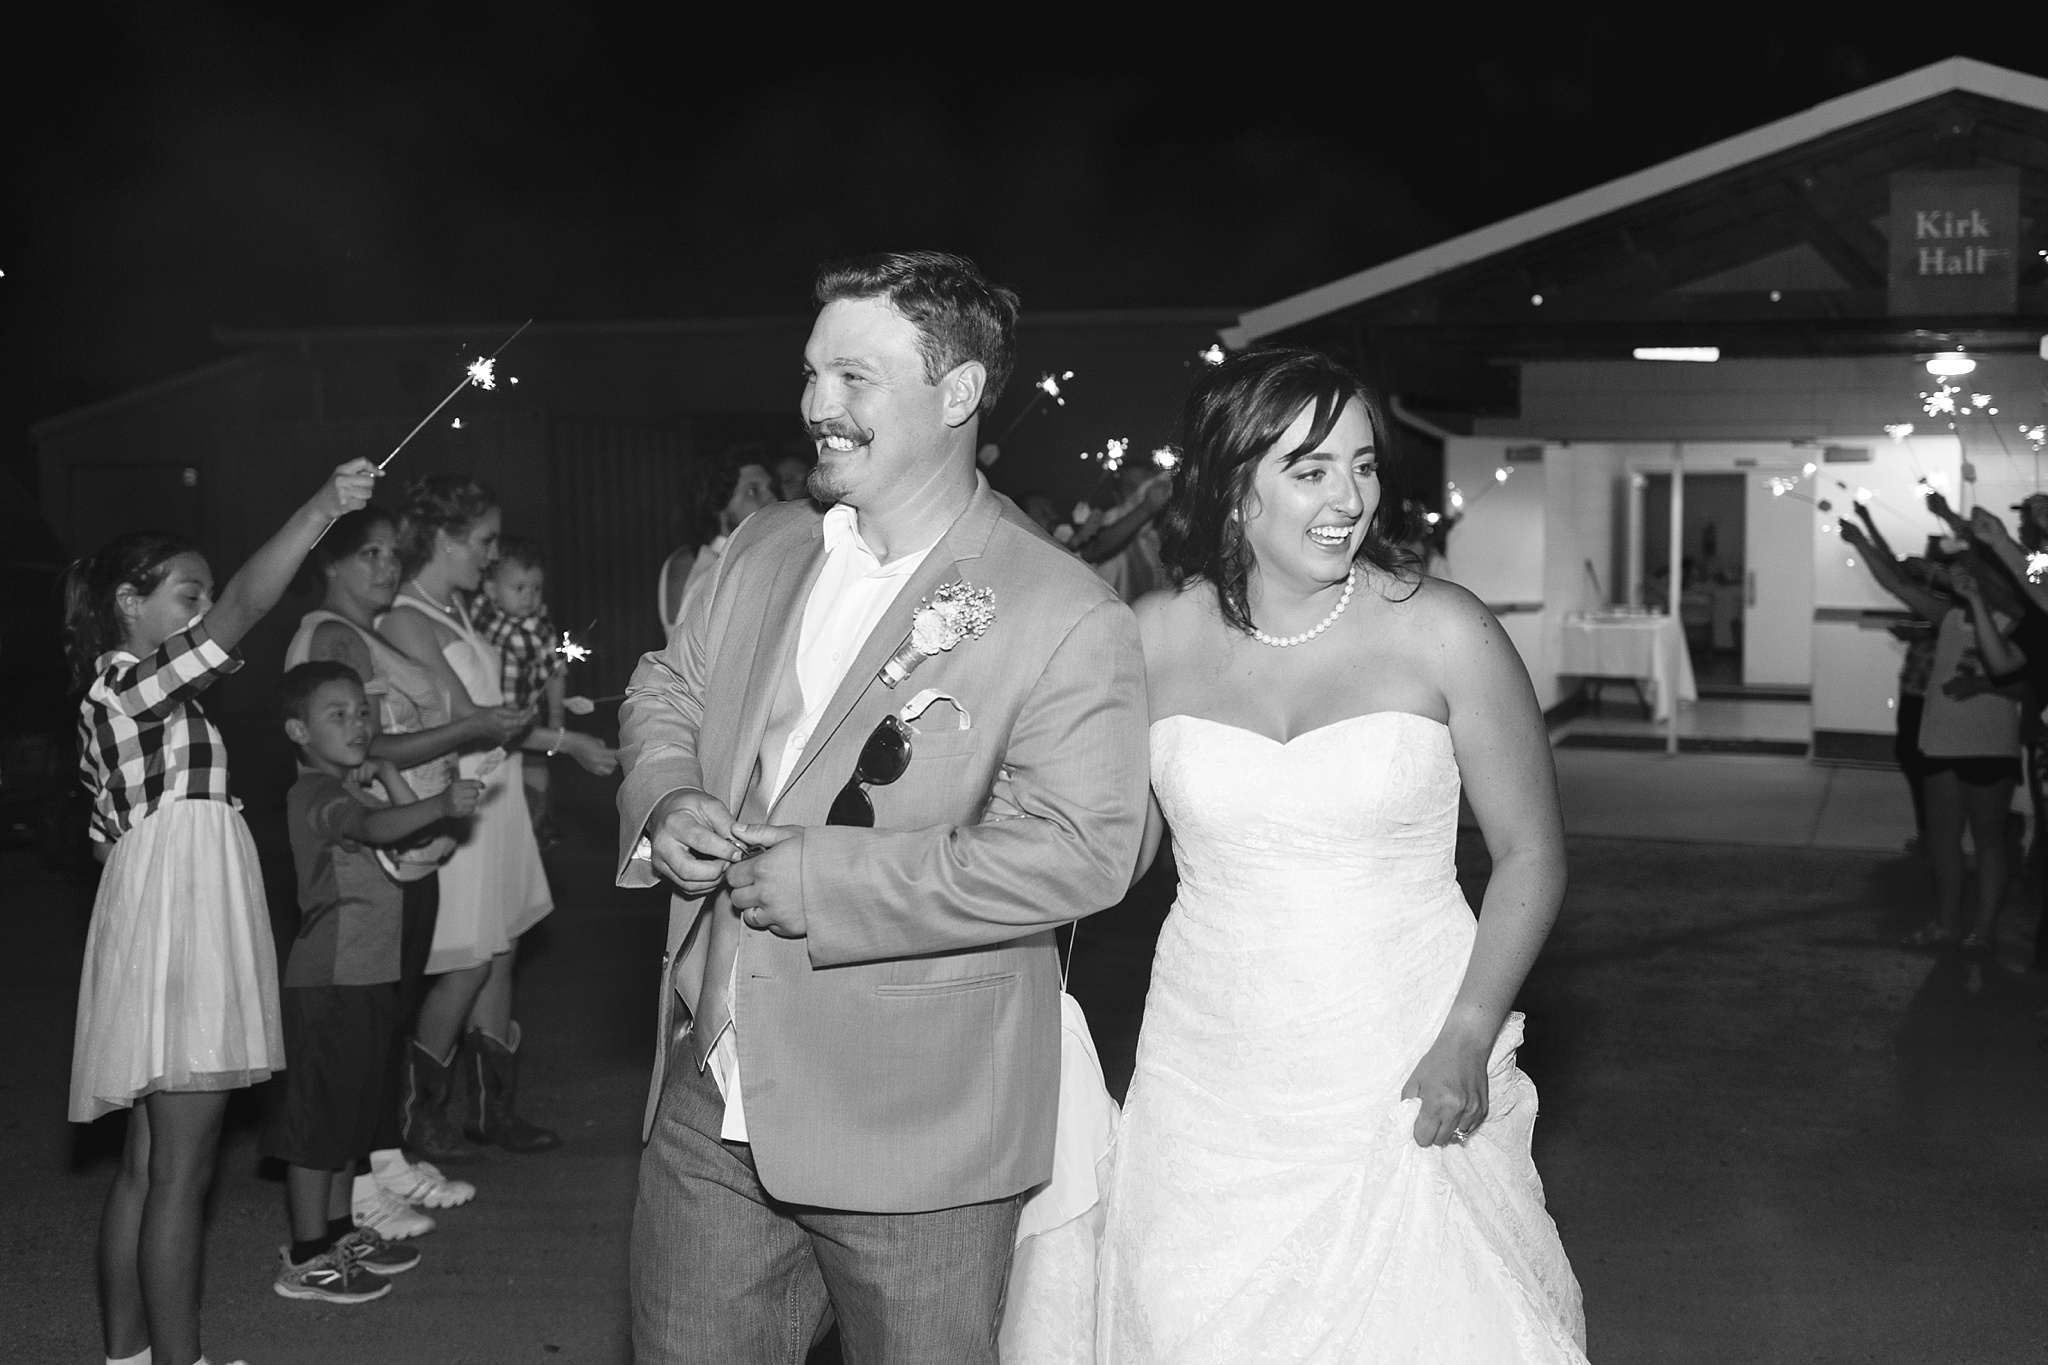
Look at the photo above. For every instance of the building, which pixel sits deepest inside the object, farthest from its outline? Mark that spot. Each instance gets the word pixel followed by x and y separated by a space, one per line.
pixel 1821 262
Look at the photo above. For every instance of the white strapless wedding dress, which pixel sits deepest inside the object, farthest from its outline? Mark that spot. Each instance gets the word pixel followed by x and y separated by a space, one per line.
pixel 1266 1200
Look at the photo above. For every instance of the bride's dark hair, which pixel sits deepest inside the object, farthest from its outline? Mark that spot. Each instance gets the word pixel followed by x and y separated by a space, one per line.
pixel 1237 413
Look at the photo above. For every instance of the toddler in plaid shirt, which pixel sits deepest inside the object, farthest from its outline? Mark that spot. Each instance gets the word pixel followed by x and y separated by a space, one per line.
pixel 512 616
pixel 178 999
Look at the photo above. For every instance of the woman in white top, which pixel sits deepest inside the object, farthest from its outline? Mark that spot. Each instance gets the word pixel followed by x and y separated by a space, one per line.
pixel 359 566
pixel 739 486
pixel 493 889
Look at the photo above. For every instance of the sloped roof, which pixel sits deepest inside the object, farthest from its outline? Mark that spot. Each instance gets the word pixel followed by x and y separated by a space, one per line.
pixel 1957 74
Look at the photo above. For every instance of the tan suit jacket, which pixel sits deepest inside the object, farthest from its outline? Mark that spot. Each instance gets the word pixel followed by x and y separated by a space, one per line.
pixel 905 1055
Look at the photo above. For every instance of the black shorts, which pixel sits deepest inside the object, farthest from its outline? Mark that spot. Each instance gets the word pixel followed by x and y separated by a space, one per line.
pixel 338 1056
pixel 1976 771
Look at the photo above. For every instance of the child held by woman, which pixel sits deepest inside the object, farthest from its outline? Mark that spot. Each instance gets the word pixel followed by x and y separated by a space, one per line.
pixel 512 617
pixel 178 999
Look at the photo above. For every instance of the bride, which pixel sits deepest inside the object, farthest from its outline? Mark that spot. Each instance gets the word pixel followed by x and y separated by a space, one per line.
pixel 1324 1154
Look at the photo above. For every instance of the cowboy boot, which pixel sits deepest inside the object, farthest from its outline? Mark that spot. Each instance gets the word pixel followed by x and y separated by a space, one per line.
pixel 432 1120
pixel 494 1068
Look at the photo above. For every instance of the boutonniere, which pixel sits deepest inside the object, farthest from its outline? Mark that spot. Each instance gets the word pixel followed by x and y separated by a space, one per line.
pixel 956 612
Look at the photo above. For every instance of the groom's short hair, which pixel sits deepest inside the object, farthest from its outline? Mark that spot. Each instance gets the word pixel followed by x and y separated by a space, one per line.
pixel 958 314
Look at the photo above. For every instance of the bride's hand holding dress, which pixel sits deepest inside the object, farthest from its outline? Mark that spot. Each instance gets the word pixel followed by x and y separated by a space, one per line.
pixel 1502 750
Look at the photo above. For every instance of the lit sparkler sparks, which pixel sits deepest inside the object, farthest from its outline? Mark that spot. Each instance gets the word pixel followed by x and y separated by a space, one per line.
pixel 2037 564
pixel 1212 354
pixel 1780 486
pixel 571 652
pixel 1166 458
pixel 1046 386
pixel 2037 435
pixel 478 372
pixel 1898 431
pixel 1942 402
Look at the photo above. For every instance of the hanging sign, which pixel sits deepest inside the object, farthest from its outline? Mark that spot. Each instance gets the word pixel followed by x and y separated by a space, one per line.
pixel 1954 239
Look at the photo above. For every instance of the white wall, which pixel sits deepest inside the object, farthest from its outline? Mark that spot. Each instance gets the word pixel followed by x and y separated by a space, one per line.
pixel 1896 504
pixel 1497 551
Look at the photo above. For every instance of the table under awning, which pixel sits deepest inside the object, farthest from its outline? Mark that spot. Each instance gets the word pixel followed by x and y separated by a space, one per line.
pixel 1648 650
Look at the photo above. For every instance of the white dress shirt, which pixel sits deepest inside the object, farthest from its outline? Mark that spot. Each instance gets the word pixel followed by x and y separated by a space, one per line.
pixel 853 592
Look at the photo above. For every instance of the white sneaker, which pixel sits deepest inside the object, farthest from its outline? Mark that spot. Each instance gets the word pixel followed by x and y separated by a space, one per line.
pixel 421 1183
pixel 384 1213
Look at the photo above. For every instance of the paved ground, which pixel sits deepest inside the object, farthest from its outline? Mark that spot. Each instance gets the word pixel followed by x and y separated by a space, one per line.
pixel 1767 1135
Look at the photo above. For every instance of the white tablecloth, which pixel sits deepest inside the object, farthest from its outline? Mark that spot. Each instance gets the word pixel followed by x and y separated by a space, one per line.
pixel 1649 649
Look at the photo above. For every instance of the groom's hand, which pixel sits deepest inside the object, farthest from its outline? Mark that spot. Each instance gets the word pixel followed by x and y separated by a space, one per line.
pixel 768 886
pixel 691 832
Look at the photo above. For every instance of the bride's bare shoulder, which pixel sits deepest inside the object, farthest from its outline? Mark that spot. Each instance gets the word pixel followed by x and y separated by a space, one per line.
pixel 1450 617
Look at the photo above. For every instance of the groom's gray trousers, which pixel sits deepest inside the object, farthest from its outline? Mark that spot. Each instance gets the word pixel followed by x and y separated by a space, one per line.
pixel 725 1274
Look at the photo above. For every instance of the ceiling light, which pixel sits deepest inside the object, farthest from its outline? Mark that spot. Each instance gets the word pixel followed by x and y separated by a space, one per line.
pixel 1950 363
pixel 1704 354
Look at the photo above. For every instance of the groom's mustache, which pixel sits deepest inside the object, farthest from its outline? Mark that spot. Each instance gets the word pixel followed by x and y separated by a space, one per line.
pixel 845 428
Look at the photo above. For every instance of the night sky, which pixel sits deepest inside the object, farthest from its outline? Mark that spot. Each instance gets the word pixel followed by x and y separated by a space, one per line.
pixel 186 166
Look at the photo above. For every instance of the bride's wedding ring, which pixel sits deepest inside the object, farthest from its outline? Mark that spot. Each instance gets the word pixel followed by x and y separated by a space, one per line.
pixel 1460 1134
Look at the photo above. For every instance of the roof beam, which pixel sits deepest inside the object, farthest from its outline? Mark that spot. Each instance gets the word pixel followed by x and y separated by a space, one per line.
pixel 1849 245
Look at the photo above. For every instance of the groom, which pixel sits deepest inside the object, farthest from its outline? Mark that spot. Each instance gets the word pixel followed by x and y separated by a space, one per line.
pixel 862 1079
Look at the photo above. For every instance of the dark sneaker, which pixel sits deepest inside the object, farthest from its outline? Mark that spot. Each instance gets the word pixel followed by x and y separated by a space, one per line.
pixel 333 1276
pixel 376 1254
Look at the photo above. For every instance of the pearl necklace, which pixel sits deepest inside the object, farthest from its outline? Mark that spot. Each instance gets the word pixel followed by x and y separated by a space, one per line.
pixel 1289 641
pixel 419 588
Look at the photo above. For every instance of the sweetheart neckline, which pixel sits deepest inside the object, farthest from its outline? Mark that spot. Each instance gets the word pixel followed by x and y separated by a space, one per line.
pixel 1313 730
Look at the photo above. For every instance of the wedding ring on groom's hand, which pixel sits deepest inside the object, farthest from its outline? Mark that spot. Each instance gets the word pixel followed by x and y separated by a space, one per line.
pixel 1460 1134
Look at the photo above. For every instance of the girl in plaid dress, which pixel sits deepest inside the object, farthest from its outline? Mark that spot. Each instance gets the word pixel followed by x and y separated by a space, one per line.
pixel 177 1003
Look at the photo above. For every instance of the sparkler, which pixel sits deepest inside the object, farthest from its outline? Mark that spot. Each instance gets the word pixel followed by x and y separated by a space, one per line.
pixel 1785 486
pixel 1898 431
pixel 479 372
pixel 1048 386
pixel 2037 564
pixel 1460 504
pixel 1166 458
pixel 570 650
pixel 1212 354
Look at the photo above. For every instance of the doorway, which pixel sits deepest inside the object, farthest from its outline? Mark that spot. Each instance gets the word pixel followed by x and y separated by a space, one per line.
pixel 1715 568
